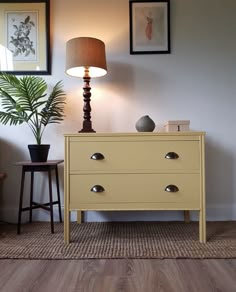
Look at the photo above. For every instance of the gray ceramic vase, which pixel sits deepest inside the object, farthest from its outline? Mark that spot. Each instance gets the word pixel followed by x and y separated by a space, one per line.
pixel 145 124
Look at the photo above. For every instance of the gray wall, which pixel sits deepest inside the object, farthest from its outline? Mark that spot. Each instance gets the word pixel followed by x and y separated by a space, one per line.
pixel 197 81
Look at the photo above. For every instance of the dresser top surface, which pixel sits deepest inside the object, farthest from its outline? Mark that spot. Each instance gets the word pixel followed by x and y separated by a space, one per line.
pixel 137 134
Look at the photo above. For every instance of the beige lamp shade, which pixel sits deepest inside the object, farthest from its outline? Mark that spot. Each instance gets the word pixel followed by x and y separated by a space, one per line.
pixel 85 53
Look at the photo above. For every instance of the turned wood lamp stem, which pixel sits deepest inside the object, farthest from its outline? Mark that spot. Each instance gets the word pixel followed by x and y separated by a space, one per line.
pixel 87 123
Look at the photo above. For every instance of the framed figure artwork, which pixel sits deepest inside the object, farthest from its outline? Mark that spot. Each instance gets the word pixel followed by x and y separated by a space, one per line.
pixel 25 37
pixel 149 27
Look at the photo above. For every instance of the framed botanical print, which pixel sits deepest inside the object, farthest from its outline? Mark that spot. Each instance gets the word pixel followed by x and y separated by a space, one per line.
pixel 24 37
pixel 149 27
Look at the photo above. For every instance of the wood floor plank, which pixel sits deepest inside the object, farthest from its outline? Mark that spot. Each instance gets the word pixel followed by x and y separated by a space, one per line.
pixel 193 276
pixel 121 275
pixel 20 275
pixel 221 274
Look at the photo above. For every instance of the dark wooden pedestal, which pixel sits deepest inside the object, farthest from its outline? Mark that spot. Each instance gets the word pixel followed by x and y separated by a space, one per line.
pixel 32 167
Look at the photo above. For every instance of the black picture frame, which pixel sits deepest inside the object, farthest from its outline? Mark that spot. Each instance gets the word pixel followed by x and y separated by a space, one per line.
pixel 25 37
pixel 149 27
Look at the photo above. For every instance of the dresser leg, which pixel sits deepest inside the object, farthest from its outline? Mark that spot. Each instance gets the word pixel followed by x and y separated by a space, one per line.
pixel 202 227
pixel 79 217
pixel 66 226
pixel 186 216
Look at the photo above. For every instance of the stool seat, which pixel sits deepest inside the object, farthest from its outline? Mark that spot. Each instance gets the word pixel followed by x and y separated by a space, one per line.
pixel 32 167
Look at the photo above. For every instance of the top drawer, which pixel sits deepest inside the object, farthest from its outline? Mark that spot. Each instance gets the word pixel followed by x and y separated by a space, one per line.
pixel 137 156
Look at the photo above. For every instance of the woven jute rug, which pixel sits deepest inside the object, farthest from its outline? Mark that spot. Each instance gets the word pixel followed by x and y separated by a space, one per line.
pixel 118 240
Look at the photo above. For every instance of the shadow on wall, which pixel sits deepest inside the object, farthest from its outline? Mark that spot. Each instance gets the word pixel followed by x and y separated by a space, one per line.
pixel 126 76
pixel 2 178
pixel 9 153
pixel 120 75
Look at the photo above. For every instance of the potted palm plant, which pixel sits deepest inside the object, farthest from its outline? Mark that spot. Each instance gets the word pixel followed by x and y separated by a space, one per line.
pixel 24 100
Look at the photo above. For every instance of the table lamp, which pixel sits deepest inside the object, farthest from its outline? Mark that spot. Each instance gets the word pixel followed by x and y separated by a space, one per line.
pixel 85 57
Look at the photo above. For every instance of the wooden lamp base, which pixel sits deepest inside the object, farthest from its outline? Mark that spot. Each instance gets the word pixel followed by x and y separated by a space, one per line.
pixel 87 123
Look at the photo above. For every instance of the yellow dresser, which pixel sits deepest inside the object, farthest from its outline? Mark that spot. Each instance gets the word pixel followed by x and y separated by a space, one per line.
pixel 135 171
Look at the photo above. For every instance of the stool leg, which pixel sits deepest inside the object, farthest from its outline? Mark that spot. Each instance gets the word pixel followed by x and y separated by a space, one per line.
pixel 31 195
pixel 58 193
pixel 21 200
pixel 50 199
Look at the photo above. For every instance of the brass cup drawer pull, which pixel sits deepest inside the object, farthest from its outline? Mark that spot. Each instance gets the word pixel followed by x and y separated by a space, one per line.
pixel 172 189
pixel 172 155
pixel 97 189
pixel 97 156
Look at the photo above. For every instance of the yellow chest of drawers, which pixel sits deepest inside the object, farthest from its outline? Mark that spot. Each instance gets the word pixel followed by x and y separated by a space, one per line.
pixel 135 171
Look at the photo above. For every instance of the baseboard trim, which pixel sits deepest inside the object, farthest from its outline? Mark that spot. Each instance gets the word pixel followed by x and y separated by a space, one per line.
pixel 214 213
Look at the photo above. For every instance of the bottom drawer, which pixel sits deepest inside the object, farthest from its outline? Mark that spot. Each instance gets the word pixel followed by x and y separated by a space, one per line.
pixel 133 188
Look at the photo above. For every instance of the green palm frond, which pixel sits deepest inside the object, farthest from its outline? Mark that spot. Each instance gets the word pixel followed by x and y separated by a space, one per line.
pixel 12 118
pixel 25 100
pixel 8 102
pixel 10 83
pixel 32 90
pixel 53 112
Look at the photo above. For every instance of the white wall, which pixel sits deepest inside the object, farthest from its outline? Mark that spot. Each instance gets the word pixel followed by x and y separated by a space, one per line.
pixel 197 81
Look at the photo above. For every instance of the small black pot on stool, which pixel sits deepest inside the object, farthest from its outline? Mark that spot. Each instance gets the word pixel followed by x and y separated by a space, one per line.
pixel 39 153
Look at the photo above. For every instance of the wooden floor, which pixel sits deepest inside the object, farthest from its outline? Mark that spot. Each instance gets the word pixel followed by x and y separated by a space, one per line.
pixel 118 275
